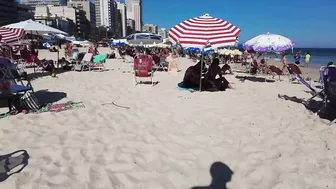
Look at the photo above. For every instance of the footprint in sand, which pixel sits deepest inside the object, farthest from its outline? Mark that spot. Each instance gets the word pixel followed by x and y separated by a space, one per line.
pixel 183 97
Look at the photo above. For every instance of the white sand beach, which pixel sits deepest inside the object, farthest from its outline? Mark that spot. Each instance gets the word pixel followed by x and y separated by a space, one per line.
pixel 167 138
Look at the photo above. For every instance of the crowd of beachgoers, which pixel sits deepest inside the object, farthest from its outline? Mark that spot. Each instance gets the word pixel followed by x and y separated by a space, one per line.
pixel 259 133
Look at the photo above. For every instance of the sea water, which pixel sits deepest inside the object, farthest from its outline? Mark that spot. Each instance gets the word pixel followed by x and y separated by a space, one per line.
pixel 318 56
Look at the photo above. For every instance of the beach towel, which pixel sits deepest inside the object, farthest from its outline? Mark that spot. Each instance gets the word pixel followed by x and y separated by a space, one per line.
pixel 49 108
pixel 180 87
pixel 99 58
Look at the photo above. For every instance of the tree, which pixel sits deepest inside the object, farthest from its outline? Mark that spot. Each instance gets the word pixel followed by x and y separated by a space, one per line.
pixel 5 22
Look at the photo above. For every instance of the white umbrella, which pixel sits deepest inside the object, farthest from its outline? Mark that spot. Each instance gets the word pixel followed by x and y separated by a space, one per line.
pixel 268 43
pixel 34 27
pixel 163 45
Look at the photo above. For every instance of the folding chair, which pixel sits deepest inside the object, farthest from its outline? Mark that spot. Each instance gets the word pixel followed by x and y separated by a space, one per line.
pixel 328 93
pixel 158 63
pixel 293 69
pixel 329 89
pixel 84 64
pixel 9 71
pixel 12 90
pixel 143 68
pixel 98 62
pixel 74 57
pixel 304 82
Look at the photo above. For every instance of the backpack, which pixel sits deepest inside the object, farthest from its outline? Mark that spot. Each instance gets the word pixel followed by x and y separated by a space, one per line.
pixel 28 101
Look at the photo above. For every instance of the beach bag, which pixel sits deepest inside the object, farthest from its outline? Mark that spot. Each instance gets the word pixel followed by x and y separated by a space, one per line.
pixel 30 102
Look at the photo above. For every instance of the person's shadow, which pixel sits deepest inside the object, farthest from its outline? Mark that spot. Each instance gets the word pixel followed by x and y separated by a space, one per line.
pixel 12 163
pixel 221 174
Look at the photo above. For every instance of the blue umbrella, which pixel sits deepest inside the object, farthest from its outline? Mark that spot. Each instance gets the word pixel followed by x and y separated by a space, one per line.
pixel 121 44
pixel 47 45
pixel 209 51
pixel 197 50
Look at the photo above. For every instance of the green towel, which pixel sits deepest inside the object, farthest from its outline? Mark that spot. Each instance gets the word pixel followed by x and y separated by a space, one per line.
pixel 99 58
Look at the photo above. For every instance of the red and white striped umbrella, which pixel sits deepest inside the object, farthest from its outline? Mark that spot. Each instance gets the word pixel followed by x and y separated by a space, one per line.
pixel 196 32
pixel 10 35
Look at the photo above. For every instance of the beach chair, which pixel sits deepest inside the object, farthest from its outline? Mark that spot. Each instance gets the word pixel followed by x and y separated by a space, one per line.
pixel 30 61
pixel 45 65
pixel 143 68
pixel 10 71
pixel 159 63
pixel 84 64
pixel 163 62
pixel 74 57
pixel 98 62
pixel 10 89
pixel 273 70
pixel 293 70
pixel 328 93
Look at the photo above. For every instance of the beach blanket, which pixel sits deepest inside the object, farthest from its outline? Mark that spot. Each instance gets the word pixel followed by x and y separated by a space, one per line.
pixel 180 87
pixel 49 108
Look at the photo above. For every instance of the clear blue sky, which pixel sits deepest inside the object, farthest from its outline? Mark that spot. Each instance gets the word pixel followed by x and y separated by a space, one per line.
pixel 310 23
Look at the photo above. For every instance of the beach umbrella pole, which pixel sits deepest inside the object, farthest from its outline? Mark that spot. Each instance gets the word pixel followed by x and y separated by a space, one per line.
pixel 58 44
pixel 200 85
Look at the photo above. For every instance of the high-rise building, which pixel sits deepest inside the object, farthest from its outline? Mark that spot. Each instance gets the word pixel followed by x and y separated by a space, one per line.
pixel 106 12
pixel 97 10
pixel 163 33
pixel 35 3
pixel 24 12
pixel 43 16
pixel 8 10
pixel 122 19
pixel 150 28
pixel 134 11
pixel 74 15
pixel 88 7
pixel 130 27
pixel 114 18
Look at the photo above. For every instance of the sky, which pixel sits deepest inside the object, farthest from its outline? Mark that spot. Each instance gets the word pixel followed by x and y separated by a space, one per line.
pixel 309 23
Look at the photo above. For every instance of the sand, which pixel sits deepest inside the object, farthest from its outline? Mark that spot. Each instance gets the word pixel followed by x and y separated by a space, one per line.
pixel 169 139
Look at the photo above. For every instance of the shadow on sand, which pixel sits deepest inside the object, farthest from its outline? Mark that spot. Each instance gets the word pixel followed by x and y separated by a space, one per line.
pixel 12 163
pixel 36 75
pixel 221 174
pixel 328 113
pixel 254 79
pixel 46 97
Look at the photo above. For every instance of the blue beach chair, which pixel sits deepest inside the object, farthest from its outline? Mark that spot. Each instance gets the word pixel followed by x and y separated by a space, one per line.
pixel 329 89
pixel 328 92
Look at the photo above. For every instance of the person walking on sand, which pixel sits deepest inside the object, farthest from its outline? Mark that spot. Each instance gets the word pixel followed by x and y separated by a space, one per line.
pixel 297 57
pixel 307 58
pixel 284 60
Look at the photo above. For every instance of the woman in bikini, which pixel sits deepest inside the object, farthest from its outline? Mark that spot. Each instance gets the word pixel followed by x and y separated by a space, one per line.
pixel 284 60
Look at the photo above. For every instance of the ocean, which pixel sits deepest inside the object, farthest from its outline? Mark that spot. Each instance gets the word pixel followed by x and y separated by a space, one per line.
pixel 318 56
